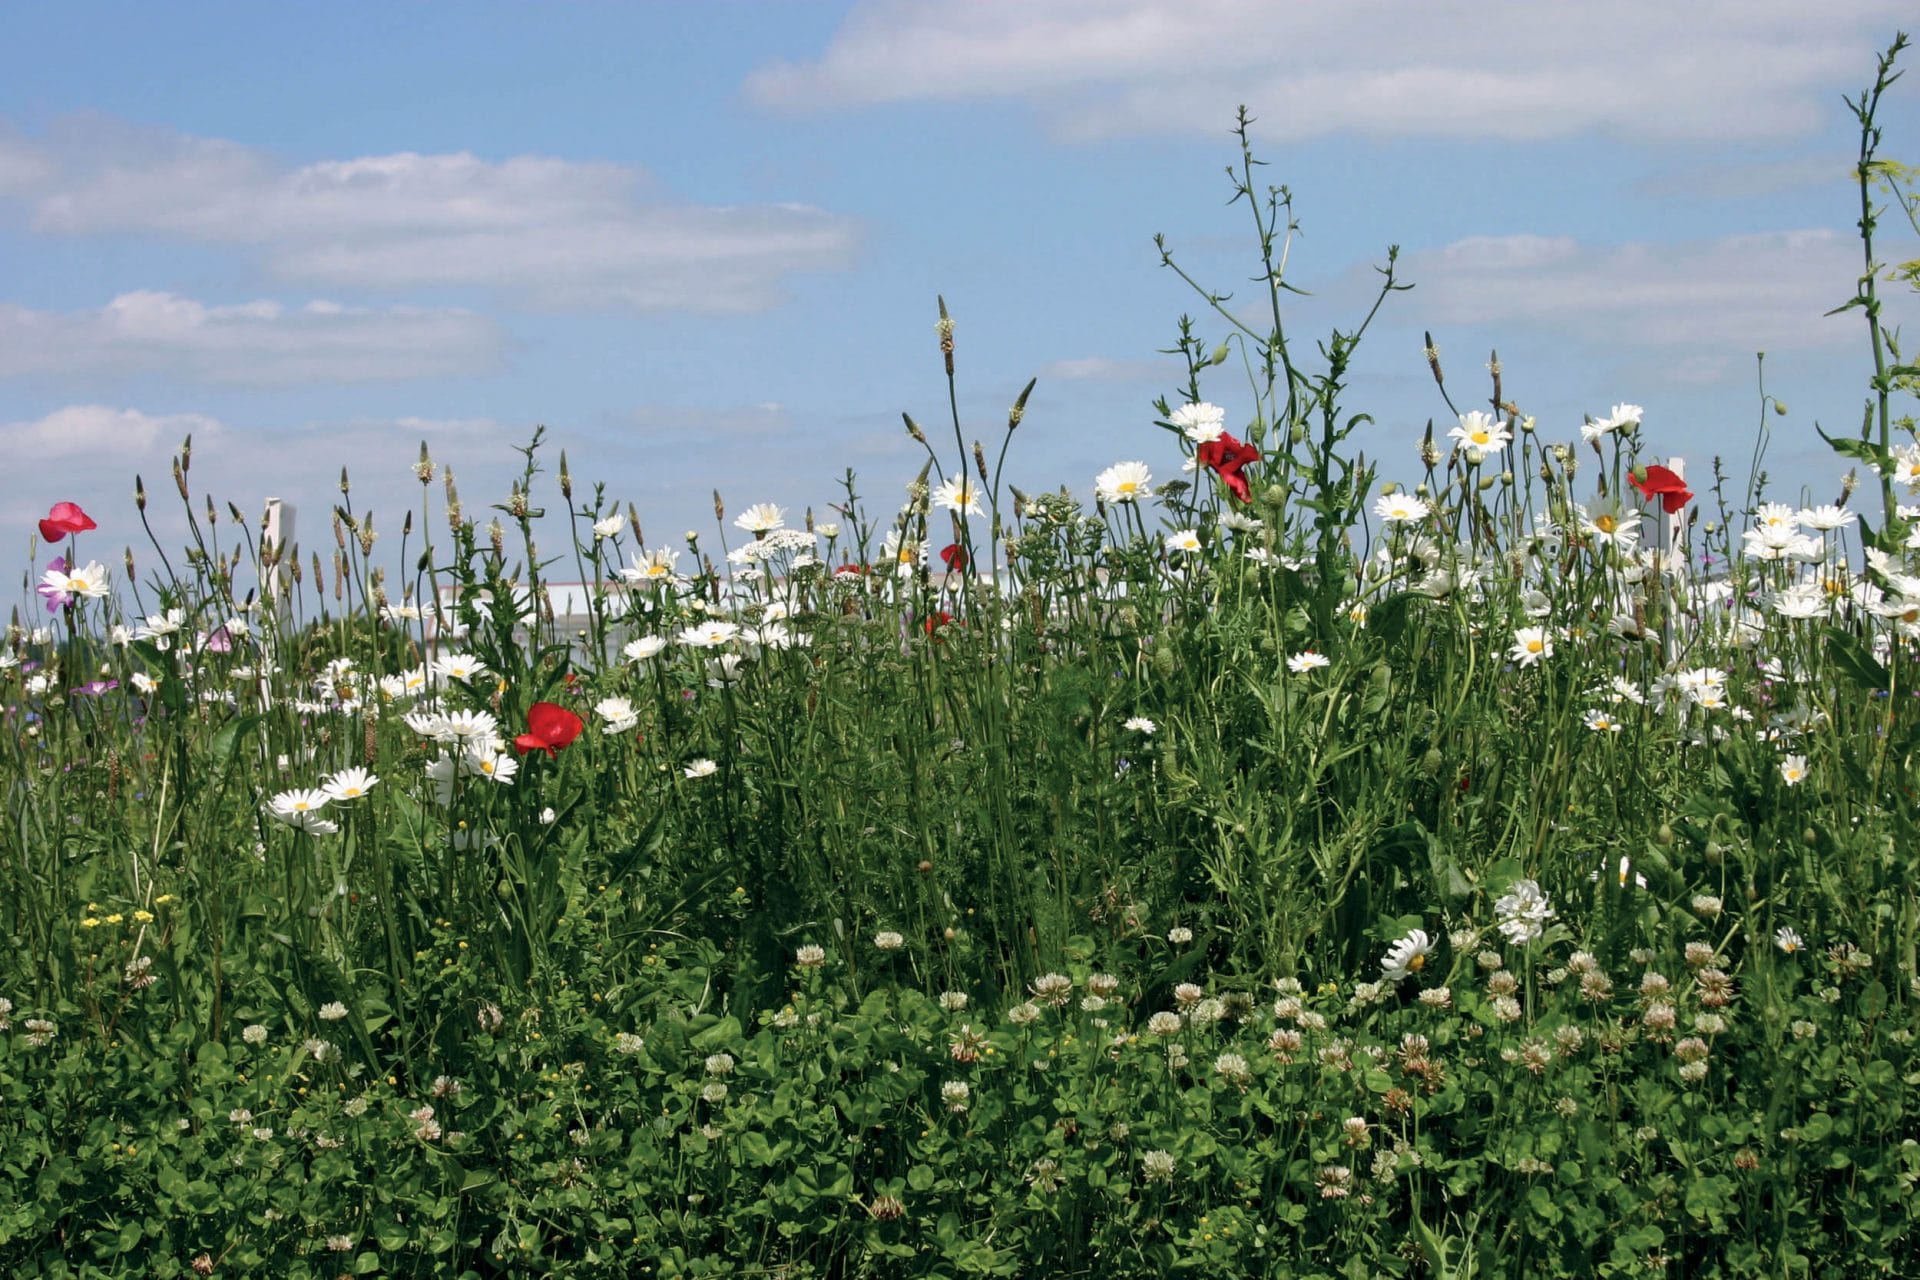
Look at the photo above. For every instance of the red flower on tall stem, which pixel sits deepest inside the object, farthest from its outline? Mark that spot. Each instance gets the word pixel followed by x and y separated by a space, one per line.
pixel 954 556
pixel 550 727
pixel 1226 455
pixel 1655 481
pixel 65 518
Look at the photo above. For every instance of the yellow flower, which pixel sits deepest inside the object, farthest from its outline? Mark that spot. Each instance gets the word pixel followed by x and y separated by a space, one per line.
pixel 144 917
pixel 115 918
pixel 89 922
pixel 163 900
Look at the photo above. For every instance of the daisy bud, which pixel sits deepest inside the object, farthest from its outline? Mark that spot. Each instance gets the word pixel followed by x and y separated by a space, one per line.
pixel 913 428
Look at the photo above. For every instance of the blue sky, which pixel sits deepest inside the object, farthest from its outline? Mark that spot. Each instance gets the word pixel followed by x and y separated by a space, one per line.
pixel 701 243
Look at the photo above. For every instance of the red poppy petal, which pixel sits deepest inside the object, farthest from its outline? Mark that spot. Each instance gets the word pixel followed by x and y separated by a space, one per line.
pixel 552 725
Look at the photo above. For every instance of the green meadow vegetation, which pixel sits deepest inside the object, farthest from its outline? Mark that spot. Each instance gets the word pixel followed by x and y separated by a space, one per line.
pixel 1294 860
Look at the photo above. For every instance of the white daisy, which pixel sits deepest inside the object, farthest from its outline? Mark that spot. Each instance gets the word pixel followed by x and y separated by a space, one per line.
pixel 1531 645
pixel 1201 422
pixel 1406 956
pixel 761 517
pixel 1124 482
pixel 958 495
pixel 1400 508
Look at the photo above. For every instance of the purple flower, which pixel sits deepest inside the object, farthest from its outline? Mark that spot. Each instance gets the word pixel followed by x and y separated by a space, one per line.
pixel 55 597
pixel 94 688
pixel 218 641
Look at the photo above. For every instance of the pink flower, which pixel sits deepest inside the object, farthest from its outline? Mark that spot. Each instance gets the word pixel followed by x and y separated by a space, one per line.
pixel 65 518
pixel 55 597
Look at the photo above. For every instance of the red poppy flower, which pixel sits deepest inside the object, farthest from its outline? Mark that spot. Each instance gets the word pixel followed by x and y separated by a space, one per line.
pixel 1226 456
pixel 938 622
pixel 1661 483
pixel 65 518
pixel 954 556
pixel 550 726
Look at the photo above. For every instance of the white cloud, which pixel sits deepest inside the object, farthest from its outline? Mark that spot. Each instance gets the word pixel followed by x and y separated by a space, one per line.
pixel 262 343
pixel 1746 293
pixel 93 432
pixel 556 234
pixel 1712 70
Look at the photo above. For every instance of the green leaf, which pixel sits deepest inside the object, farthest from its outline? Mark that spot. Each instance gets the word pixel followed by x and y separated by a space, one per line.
pixel 1855 661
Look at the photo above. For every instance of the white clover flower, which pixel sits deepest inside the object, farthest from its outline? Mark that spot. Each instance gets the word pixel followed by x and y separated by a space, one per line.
pixel 1156 1166
pixel 332 1011
pixel 957 1095
pixel 888 940
pixel 1524 912
pixel 254 1034
pixel 810 956
pixel 1179 935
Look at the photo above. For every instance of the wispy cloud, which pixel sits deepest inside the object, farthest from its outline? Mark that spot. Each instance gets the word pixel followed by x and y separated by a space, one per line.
pixel 554 234
pixel 1751 181
pixel 261 343
pixel 1714 70
pixel 1711 303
